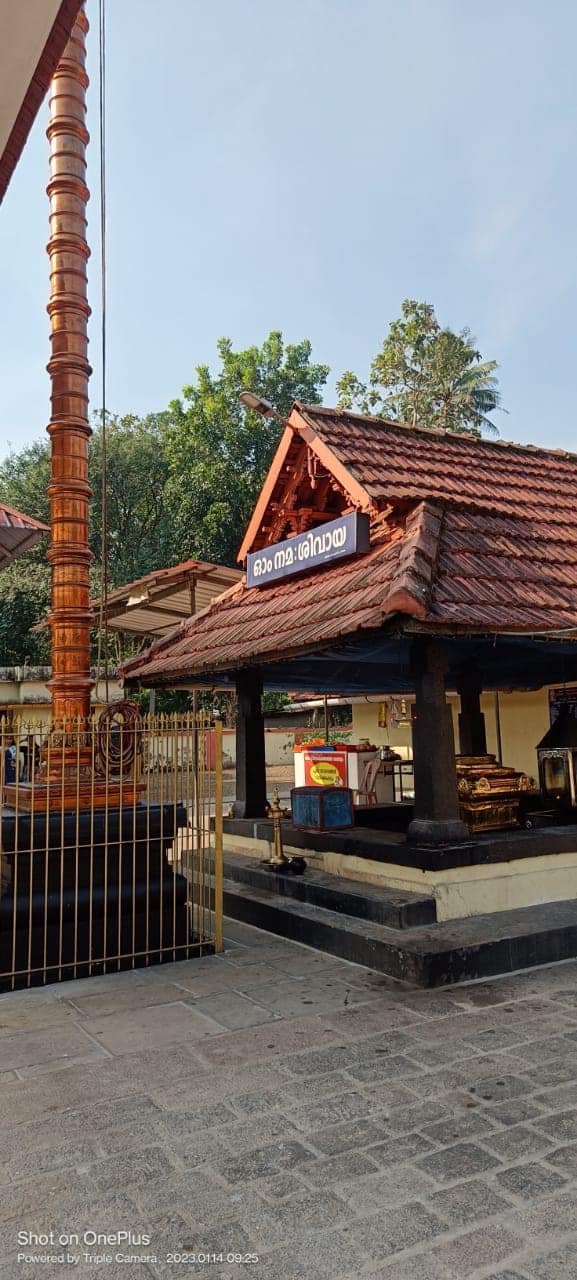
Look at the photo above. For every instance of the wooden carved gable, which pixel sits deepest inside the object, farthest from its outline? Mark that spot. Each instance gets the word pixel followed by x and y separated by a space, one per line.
pixel 307 485
pixel 305 494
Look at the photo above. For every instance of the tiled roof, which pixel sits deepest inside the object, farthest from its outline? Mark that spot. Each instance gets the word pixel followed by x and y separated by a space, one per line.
pixel 399 463
pixel 505 573
pixel 314 608
pixel 12 519
pixel 467 536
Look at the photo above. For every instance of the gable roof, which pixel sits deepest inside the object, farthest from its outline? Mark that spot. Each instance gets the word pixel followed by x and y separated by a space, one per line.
pixel 156 603
pixel 394 462
pixel 295 443
pixel 243 625
pixel 467 536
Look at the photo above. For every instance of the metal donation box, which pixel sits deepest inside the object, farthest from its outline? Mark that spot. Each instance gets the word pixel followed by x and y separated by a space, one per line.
pixel 322 808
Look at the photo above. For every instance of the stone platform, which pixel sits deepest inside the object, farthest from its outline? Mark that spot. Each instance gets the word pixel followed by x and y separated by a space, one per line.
pixel 489 873
pixel 396 933
pixel 380 837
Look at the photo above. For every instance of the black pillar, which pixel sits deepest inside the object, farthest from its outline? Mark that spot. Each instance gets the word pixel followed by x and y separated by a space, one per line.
pixel 436 819
pixel 250 759
pixel 472 735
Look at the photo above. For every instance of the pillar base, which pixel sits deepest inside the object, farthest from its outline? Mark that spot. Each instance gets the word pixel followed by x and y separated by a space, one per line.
pixel 248 809
pixel 91 892
pixel 437 831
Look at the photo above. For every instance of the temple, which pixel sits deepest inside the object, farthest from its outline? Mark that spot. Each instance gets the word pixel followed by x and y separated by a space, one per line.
pixel 466 584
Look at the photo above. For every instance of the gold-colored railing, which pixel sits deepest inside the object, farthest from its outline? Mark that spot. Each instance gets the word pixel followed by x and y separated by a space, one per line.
pixel 110 845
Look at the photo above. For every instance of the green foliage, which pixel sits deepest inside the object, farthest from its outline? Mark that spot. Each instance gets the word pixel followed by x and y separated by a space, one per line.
pixel 141 535
pixel 184 482
pixel 428 375
pixel 166 701
pixel 24 479
pixel 25 584
pixel 140 529
pixel 24 600
pixel 219 452
pixel 169 701
pixel 181 483
pixel 336 736
pixel 273 702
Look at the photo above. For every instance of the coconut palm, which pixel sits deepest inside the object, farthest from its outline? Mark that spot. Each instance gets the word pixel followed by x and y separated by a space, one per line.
pixel 466 389
pixel 428 375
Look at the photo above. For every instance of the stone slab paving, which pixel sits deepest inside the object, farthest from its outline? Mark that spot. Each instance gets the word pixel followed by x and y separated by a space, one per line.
pixel 277 1113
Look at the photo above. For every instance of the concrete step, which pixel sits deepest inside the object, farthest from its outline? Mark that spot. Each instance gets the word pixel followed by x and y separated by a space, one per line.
pixel 398 910
pixel 429 956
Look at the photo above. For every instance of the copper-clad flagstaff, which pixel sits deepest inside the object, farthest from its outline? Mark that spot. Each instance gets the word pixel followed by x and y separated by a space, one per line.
pixel 69 371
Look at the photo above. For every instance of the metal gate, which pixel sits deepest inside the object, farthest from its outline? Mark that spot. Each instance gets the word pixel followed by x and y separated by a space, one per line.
pixel 129 873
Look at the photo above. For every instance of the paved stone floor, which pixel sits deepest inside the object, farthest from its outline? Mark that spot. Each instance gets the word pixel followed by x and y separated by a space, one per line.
pixel 276 1103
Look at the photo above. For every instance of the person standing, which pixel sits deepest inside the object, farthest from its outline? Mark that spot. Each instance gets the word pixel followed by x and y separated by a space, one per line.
pixel 10 759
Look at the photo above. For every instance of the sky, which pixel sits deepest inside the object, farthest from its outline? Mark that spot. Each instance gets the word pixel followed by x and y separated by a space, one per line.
pixel 305 166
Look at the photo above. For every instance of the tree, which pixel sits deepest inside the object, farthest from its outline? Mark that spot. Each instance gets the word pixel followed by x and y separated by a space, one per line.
pixel 24 600
pixel 24 478
pixel 25 584
pixel 219 452
pixel 426 374
pixel 179 483
pixel 141 534
pixel 184 482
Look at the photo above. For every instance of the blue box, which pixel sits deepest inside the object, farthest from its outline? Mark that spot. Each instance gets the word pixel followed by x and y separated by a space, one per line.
pixel 322 808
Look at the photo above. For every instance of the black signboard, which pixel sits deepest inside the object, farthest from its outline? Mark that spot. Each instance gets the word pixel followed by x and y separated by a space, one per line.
pixel 346 536
pixel 564 697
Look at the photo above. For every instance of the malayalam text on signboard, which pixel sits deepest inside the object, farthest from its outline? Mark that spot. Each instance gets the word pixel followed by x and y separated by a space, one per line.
pixel 326 769
pixel 346 536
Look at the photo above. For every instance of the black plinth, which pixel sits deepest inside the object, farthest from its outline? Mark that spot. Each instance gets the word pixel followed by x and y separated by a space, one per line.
pixel 89 893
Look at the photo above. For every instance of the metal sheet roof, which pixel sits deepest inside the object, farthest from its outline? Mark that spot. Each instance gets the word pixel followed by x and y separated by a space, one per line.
pixel 155 604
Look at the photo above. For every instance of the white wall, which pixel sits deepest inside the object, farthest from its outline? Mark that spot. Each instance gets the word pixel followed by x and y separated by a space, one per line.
pixel 278 745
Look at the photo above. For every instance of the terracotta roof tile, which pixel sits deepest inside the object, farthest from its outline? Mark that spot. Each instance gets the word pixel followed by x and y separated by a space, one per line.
pixel 303 612
pixel 400 462
pixel 12 519
pixel 467 535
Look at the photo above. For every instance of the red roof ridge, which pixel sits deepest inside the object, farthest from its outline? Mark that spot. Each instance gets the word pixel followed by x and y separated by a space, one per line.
pixel 26 520
pixel 442 433
pixel 412 586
